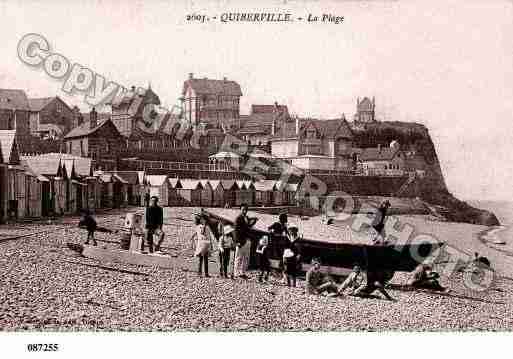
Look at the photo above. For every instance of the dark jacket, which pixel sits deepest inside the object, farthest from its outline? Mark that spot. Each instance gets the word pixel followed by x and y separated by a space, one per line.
pixel 154 217
pixel 263 258
pixel 88 222
pixel 290 265
pixel 379 219
pixel 278 229
pixel 243 226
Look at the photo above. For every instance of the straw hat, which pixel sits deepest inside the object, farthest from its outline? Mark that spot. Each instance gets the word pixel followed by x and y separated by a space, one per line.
pixel 227 229
pixel 287 253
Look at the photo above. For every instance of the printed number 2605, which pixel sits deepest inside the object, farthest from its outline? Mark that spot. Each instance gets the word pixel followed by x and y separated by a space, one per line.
pixel 42 347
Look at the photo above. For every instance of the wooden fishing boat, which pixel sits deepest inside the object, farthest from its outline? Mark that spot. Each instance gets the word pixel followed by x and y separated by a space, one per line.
pixel 339 258
pixel 133 257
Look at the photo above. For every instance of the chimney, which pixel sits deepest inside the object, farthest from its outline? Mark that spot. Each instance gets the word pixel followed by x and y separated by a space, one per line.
pixel 297 126
pixel 357 101
pixel 191 75
pixel 93 118
pixel 225 78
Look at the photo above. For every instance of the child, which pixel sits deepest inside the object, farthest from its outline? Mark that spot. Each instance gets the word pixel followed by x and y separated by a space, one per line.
pixel 225 245
pixel 202 239
pixel 88 222
pixel 290 266
pixel 264 265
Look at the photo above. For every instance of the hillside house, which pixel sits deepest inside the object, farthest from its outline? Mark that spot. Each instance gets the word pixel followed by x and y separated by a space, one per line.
pixel 311 144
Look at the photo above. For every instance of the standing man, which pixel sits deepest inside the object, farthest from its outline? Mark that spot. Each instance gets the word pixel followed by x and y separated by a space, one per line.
pixel 154 221
pixel 147 199
pixel 243 226
pixel 378 223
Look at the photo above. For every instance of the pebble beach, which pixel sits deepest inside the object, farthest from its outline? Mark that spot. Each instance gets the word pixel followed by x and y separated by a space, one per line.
pixel 46 286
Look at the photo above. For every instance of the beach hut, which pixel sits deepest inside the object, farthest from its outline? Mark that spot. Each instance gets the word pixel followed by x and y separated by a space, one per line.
pixel 173 186
pixel 130 180
pixel 33 186
pixel 50 168
pixel 242 194
pixel 105 189
pixel 251 192
pixel 159 186
pixel 291 190
pixel 190 193
pixel 264 192
pixel 217 193
pixel 279 194
pixel 206 194
pixel 229 189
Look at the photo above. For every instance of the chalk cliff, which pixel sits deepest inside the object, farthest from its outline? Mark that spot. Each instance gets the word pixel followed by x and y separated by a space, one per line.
pixel 415 138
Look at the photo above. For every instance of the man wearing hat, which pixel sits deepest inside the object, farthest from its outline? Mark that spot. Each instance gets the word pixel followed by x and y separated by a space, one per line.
pixel 243 225
pixel 378 223
pixel 154 221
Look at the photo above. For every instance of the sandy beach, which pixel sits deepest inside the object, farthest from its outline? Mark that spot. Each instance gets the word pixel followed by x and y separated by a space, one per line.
pixel 46 286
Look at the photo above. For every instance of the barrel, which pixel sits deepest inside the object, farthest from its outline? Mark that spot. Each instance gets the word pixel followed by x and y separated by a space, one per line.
pixel 125 240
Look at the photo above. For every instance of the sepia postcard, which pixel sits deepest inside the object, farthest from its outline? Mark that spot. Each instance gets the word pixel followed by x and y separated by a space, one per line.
pixel 271 167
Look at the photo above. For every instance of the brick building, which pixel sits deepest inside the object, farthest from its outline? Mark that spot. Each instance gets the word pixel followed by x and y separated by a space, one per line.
pixel 15 112
pixel 50 117
pixel 97 138
pixel 313 144
pixel 215 102
pixel 256 128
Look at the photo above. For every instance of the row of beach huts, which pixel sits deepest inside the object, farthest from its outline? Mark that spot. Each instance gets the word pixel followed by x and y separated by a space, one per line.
pixel 58 184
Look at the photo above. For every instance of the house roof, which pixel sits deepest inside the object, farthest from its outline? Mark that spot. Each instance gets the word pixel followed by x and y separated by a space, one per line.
pixel 174 182
pixel 68 166
pixel 43 165
pixel 249 184
pixel 265 185
pixel 82 165
pixel 47 127
pixel 365 103
pixel 129 177
pixel 258 123
pixel 85 130
pixel 106 177
pixel 156 180
pixel 241 184
pixel 229 184
pixel 190 184
pixel 205 183
pixel 37 104
pixel 378 154
pixel 286 186
pixel 215 183
pixel 208 86
pixel 8 147
pixel 224 154
pixel 13 99
pixel 268 109
pixel 330 129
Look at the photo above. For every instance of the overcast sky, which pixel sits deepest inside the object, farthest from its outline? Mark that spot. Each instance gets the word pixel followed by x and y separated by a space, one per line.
pixel 448 65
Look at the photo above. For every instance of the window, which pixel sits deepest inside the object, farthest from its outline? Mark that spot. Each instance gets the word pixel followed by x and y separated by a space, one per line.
pixel 81 147
pixel 59 107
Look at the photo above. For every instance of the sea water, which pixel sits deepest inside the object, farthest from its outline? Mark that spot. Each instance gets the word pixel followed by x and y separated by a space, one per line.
pixel 503 210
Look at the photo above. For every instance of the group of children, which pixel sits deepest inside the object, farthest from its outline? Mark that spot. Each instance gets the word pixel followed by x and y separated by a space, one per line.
pixel 205 243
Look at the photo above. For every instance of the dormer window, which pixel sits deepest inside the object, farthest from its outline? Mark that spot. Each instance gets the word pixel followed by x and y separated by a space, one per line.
pixel 310 133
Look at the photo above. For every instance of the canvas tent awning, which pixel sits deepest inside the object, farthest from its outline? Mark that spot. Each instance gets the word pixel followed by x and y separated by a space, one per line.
pixel 224 154
pixel 191 184
pixel 264 185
